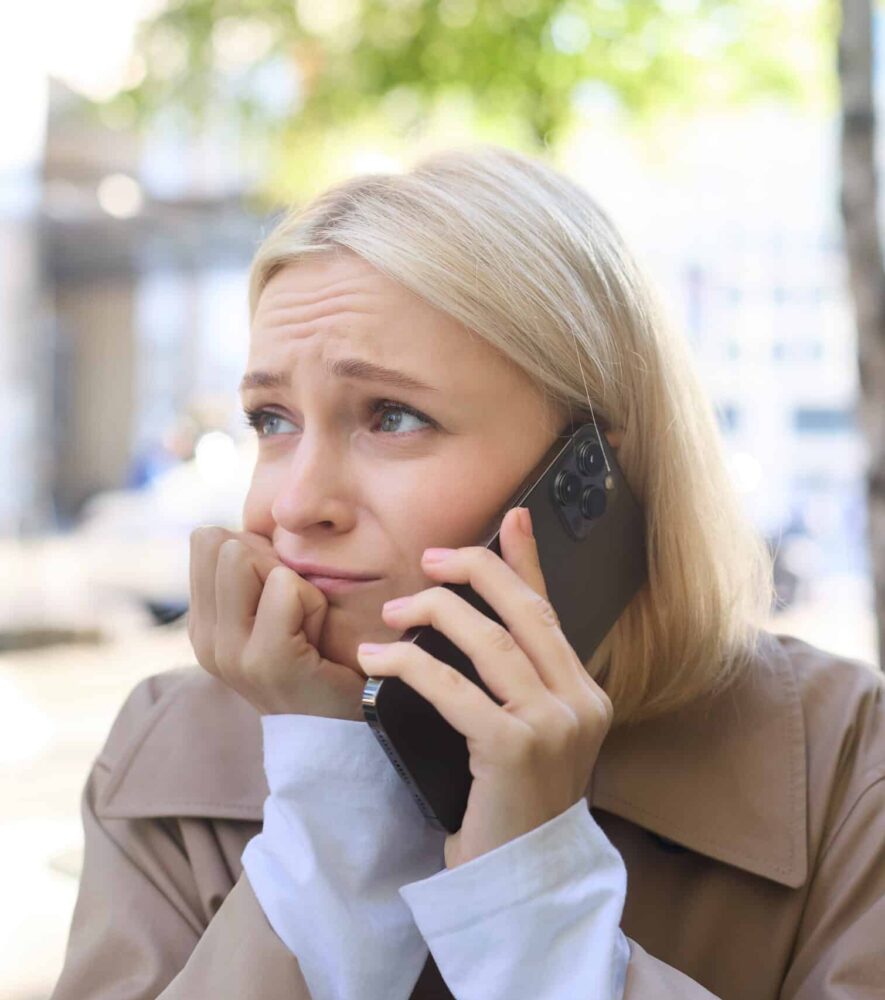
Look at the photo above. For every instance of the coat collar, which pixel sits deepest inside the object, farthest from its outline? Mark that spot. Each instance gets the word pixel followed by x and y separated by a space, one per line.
pixel 724 777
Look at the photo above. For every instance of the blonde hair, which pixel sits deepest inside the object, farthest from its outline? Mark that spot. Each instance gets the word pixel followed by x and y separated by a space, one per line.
pixel 523 257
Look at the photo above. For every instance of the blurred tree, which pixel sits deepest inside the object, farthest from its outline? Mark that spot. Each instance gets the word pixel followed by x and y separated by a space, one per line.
pixel 860 212
pixel 303 71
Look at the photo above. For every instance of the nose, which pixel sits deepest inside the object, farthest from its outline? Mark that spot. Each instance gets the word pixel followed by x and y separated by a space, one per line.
pixel 313 489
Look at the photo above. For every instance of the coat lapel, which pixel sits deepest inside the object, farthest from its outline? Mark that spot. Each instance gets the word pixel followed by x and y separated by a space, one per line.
pixel 197 752
pixel 724 777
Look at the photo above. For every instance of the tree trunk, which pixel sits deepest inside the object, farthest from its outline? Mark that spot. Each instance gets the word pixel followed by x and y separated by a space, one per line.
pixel 859 204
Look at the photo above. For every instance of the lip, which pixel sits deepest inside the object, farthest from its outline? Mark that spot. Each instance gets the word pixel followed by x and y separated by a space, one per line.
pixel 309 569
pixel 335 584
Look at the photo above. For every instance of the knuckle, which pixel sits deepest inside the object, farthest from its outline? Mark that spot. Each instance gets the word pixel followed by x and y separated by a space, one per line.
pixel 561 729
pixel 543 610
pixel 482 554
pixel 598 710
pixel 499 638
pixel 203 650
pixel 224 661
pixel 255 542
pixel 476 554
pixel 451 677
pixel 438 599
pixel 205 655
pixel 607 706
pixel 278 575
pixel 231 548
pixel 208 535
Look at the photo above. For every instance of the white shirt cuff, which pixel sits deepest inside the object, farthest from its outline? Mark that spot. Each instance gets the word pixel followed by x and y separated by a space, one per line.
pixel 341 834
pixel 537 916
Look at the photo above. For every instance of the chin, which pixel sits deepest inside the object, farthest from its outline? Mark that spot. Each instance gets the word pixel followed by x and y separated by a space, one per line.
pixel 339 641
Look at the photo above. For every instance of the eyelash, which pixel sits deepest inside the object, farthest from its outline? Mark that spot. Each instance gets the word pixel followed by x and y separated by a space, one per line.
pixel 255 417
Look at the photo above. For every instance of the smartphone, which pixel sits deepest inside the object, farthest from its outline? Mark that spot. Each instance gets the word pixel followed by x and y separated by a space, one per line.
pixel 590 533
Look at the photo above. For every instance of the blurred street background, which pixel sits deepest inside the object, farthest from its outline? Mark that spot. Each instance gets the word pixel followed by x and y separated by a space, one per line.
pixel 149 145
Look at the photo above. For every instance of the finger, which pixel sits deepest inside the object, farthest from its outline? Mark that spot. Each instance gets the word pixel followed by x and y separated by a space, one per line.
pixel 266 557
pixel 205 542
pixel 457 699
pixel 520 551
pixel 291 607
pixel 499 660
pixel 238 589
pixel 528 615
pixel 522 556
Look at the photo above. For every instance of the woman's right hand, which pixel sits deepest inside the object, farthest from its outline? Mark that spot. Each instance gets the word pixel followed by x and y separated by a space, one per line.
pixel 255 624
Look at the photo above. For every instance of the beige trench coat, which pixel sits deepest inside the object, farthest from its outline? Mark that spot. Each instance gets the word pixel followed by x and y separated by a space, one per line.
pixel 752 829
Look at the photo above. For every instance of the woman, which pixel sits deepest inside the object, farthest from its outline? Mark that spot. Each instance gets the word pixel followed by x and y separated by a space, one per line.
pixel 696 811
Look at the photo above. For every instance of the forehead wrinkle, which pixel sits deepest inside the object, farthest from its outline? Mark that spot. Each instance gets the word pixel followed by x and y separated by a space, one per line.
pixel 336 290
pixel 287 298
pixel 302 328
pixel 300 316
pixel 310 312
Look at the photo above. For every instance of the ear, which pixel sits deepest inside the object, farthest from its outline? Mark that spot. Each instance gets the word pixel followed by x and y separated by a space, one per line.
pixel 614 438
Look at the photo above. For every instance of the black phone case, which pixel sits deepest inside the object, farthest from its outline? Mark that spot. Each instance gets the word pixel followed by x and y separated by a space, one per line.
pixel 593 563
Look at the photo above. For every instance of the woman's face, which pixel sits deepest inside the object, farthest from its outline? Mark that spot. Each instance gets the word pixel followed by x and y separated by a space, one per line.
pixel 338 484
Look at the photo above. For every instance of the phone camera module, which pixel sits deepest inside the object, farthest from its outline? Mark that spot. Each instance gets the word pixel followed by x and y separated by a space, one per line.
pixel 568 487
pixel 593 502
pixel 590 458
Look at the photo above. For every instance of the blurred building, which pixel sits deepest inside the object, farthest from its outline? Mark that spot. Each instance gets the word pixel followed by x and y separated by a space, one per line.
pixel 740 228
pixel 130 278
pixel 144 249
pixel 22 363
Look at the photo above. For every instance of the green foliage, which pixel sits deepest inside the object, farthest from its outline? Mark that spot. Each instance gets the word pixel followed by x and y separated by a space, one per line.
pixel 301 71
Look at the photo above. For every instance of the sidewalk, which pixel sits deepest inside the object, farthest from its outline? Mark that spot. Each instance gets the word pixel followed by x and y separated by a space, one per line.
pixel 56 706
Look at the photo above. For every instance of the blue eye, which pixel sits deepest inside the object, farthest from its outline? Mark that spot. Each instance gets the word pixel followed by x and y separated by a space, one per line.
pixel 386 405
pixel 257 418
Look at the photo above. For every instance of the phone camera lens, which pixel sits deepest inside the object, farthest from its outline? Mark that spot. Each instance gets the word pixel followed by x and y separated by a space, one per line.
pixel 590 458
pixel 593 502
pixel 567 487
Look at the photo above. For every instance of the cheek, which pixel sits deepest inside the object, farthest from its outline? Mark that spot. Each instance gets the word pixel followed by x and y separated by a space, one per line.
pixel 449 504
pixel 450 511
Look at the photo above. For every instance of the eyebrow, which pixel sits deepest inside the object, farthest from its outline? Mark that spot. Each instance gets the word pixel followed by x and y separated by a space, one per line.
pixel 354 368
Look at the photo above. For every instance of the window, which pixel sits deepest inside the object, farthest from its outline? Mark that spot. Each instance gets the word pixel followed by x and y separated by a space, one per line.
pixel 823 420
pixel 728 416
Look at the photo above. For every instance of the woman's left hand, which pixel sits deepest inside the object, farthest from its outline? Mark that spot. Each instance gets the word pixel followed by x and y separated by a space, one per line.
pixel 531 757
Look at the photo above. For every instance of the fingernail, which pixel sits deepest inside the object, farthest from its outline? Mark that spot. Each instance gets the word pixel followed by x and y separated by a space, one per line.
pixel 525 521
pixel 437 555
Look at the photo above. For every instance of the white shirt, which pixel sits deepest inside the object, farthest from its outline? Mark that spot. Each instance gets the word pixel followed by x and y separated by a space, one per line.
pixel 352 879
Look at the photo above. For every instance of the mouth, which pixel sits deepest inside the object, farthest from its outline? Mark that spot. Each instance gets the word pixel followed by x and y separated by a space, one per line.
pixel 337 584
pixel 317 571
